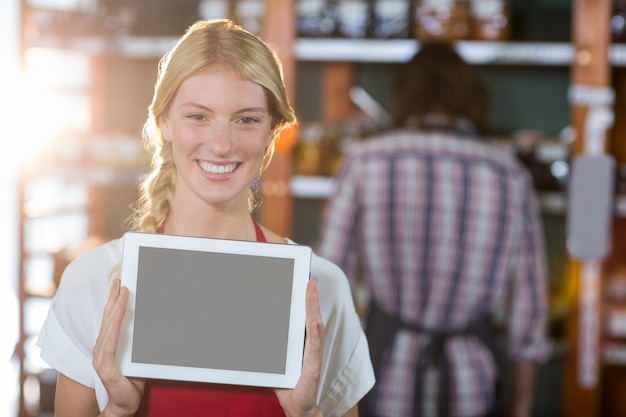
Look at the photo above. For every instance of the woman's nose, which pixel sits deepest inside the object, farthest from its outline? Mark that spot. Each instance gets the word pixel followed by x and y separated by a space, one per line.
pixel 220 138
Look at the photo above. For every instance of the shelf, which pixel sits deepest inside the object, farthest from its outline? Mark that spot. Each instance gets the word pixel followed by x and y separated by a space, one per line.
pixel 475 52
pixel 349 50
pixel 33 210
pixel 129 46
pixel 315 187
pixel 92 174
pixel 614 353
pixel 320 187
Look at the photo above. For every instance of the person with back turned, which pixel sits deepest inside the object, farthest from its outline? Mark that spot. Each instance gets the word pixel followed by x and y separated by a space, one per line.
pixel 442 228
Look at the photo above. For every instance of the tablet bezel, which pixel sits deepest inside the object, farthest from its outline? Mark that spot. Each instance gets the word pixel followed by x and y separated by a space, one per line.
pixel 300 254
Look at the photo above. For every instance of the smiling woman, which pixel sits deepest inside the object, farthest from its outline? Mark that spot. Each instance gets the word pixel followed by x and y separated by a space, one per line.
pixel 219 103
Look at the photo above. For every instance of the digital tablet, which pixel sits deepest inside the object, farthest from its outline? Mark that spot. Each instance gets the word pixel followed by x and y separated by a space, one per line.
pixel 213 310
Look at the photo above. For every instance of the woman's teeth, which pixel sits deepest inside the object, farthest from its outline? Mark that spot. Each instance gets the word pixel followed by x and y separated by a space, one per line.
pixel 217 169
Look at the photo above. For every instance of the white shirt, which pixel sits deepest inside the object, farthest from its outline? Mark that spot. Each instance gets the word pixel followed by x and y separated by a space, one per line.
pixel 73 323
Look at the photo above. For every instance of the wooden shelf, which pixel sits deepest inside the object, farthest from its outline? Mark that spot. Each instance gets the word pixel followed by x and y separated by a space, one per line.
pixel 349 50
pixel 130 46
pixel 321 187
pixel 87 173
pixel 475 52
pixel 315 187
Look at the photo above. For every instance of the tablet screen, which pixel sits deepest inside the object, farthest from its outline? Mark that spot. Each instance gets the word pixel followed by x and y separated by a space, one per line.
pixel 214 310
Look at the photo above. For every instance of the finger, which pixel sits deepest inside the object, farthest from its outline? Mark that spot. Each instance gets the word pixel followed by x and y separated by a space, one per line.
pixel 313 314
pixel 112 307
pixel 314 331
pixel 106 343
pixel 111 303
pixel 108 308
pixel 302 399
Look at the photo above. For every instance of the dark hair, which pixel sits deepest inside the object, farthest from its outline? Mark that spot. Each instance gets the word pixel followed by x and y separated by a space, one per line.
pixel 438 80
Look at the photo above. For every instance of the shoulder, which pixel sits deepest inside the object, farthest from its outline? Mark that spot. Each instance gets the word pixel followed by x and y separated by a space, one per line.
pixel 110 251
pixel 329 275
pixel 408 142
pixel 90 274
pixel 332 284
pixel 108 254
pixel 332 281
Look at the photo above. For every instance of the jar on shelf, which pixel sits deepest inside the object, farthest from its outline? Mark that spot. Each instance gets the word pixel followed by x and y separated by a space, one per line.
pixel 250 14
pixel 441 20
pixel 391 19
pixel 490 20
pixel 214 9
pixel 353 18
pixel 618 21
pixel 315 18
pixel 307 152
pixel 330 148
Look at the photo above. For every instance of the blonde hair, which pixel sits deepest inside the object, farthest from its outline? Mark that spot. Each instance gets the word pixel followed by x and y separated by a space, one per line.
pixel 205 44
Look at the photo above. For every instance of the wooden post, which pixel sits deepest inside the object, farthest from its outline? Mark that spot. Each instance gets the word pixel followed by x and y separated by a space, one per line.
pixel 279 31
pixel 337 79
pixel 590 37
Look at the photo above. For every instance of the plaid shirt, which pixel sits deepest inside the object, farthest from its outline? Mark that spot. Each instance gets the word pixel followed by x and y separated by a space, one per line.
pixel 441 229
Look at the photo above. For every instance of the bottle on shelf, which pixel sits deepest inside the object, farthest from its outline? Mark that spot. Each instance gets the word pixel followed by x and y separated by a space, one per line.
pixel 441 20
pixel 249 14
pixel 315 18
pixel 353 18
pixel 390 19
pixel 618 21
pixel 308 149
pixel 490 20
pixel 214 9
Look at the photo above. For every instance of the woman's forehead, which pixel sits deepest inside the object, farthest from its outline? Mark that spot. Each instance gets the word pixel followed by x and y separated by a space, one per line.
pixel 221 84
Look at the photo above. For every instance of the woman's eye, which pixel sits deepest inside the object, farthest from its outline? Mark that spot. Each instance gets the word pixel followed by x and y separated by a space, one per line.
pixel 248 120
pixel 196 116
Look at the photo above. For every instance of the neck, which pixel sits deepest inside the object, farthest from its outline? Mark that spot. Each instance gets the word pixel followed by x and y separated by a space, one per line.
pixel 190 215
pixel 222 226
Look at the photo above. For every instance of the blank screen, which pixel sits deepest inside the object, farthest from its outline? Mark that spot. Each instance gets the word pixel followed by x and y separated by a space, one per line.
pixel 212 310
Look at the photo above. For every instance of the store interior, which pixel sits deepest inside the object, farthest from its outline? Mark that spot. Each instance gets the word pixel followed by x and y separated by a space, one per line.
pixel 82 75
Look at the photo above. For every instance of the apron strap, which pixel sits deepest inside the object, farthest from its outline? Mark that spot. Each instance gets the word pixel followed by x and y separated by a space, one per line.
pixel 382 329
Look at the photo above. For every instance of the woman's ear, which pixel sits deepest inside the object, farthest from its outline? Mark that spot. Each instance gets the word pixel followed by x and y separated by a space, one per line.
pixel 271 137
pixel 166 131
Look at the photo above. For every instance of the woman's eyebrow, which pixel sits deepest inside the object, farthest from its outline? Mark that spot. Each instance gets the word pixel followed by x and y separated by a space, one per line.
pixel 194 104
pixel 259 109
pixel 253 109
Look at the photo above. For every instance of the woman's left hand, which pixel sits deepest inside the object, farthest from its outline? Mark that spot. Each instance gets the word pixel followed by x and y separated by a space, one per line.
pixel 302 400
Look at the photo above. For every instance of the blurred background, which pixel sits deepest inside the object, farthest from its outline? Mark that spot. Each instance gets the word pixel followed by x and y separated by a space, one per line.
pixel 77 77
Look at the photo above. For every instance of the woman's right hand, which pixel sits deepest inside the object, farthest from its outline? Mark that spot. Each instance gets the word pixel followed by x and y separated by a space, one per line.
pixel 124 393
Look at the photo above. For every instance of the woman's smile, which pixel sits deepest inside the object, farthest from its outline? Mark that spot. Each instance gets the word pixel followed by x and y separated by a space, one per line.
pixel 217 168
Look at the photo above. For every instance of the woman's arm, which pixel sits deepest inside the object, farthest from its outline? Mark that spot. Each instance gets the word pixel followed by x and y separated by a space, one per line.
pixel 74 399
pixel 353 412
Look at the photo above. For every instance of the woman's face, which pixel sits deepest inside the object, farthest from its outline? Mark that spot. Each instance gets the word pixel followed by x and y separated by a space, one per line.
pixel 219 127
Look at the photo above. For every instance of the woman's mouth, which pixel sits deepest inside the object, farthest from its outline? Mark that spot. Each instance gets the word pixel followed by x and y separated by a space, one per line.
pixel 217 169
